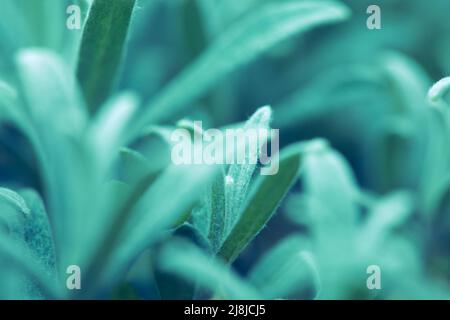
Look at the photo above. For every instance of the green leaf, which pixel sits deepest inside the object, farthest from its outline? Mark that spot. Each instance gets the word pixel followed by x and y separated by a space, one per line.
pixel 422 129
pixel 171 287
pixel 37 231
pixel 108 129
pixel 436 156
pixel 192 127
pixel 13 254
pixel 188 262
pixel 192 22
pixel 8 102
pixel 386 214
pixel 13 112
pixel 154 147
pixel 215 211
pixel 61 107
pixel 329 181
pixel 394 145
pixel 286 270
pixel 242 43
pixel 133 166
pixel 239 175
pixel 438 91
pixel 142 219
pixel 332 208
pixel 59 120
pixel 44 21
pixel 340 87
pixel 102 48
pixel 15 200
pixel 268 192
pixel 442 196
pixel 10 26
pixel 408 81
pixel 28 225
pixel 218 15
pixel 31 23
pixel 225 198
pixel 13 213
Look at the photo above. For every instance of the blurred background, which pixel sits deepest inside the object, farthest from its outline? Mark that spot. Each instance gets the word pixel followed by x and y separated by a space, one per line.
pixel 362 90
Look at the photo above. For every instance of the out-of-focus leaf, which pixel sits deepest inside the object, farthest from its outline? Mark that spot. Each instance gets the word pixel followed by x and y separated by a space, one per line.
pixel 44 21
pixel 133 166
pixel 394 146
pixel 15 200
pixel 10 26
pixel 339 88
pixel 387 213
pixel 59 119
pixel 171 287
pixel 13 213
pixel 155 145
pixel 195 37
pixel 439 90
pixel 192 127
pixel 436 162
pixel 286 270
pixel 142 219
pixel 16 255
pixel 439 236
pixel 409 84
pixel 108 128
pixel 37 232
pixel 28 223
pixel 102 47
pixel 187 261
pixel 12 111
pixel 217 15
pixel 408 81
pixel 241 44
pixel 437 154
pixel 8 97
pixel 266 195
pixel 41 24
pixel 61 107
pixel 330 182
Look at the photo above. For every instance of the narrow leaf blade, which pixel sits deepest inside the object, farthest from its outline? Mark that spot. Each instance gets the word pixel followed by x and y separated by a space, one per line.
pixel 267 194
pixel 102 47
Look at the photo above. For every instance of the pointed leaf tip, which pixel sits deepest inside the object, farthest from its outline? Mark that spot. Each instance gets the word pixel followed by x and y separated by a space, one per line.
pixel 439 90
pixel 263 115
pixel 15 199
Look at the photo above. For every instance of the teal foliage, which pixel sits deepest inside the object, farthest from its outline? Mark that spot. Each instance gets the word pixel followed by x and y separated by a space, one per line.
pixel 86 176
